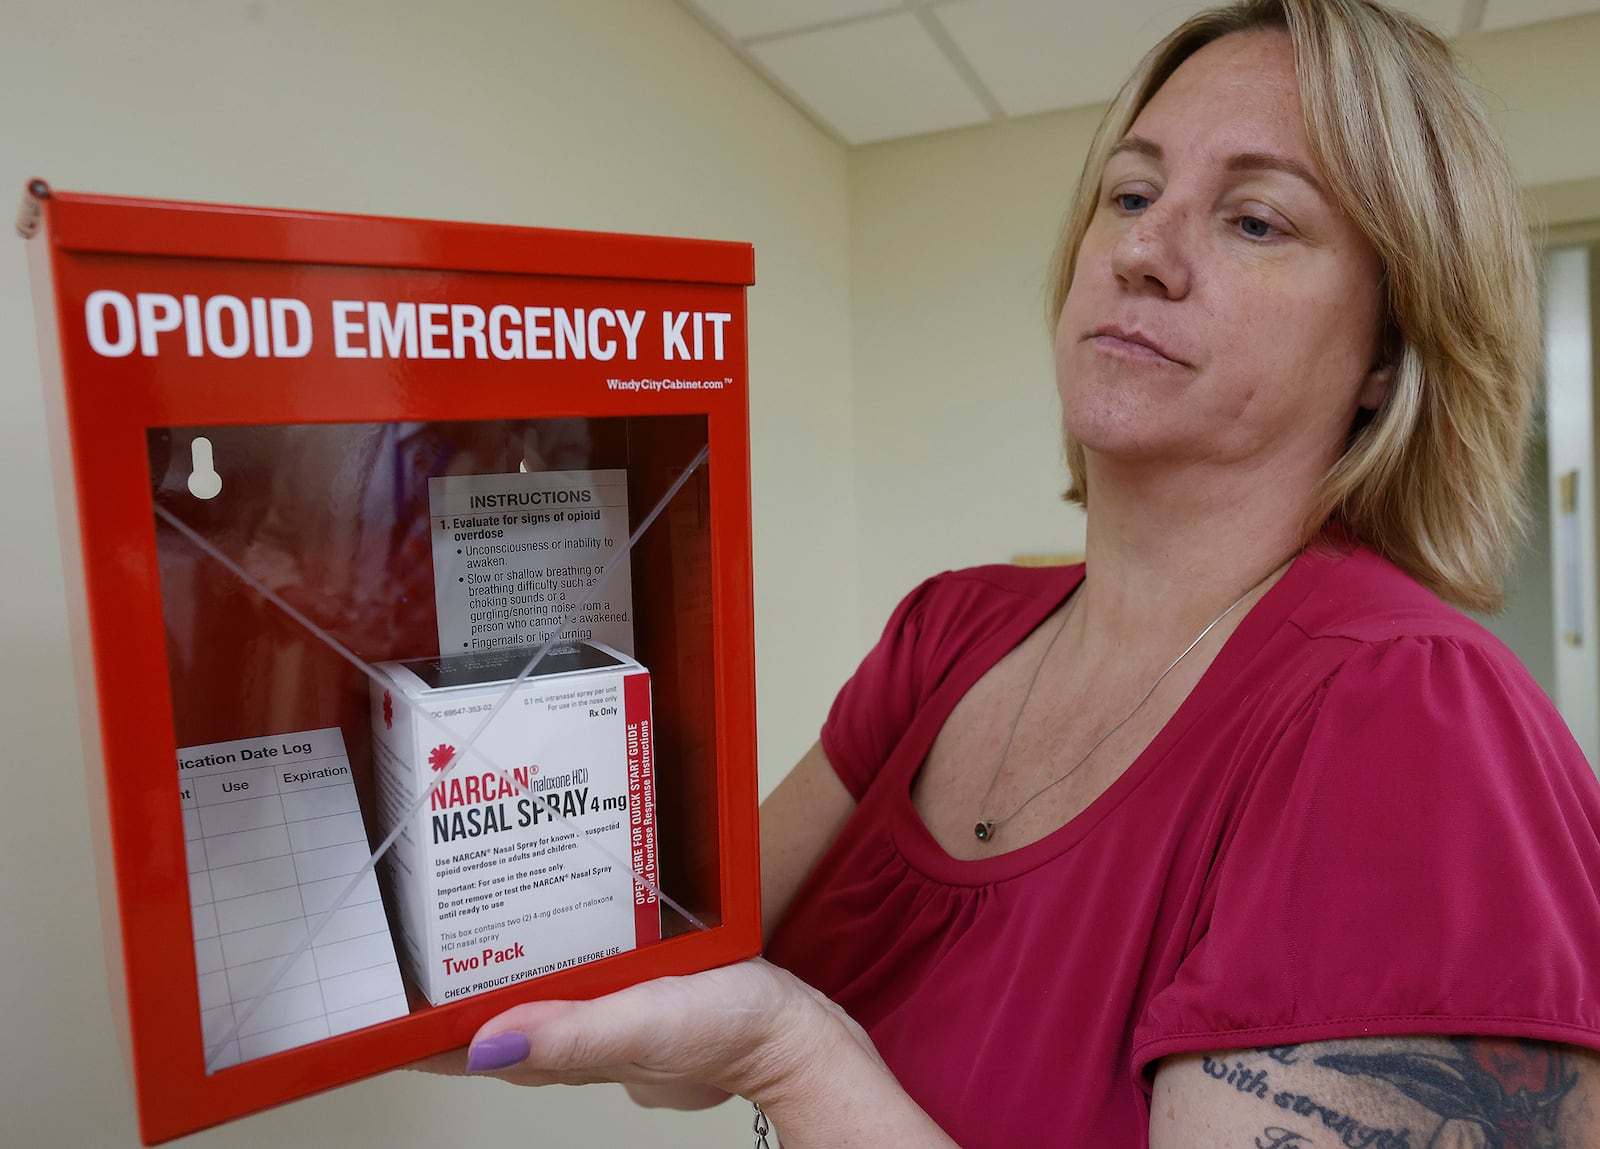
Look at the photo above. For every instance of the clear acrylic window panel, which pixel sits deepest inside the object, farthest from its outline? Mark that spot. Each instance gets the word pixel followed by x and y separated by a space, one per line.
pixel 301 563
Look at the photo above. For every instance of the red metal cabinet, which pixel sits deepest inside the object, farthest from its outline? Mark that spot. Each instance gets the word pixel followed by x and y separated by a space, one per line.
pixel 308 350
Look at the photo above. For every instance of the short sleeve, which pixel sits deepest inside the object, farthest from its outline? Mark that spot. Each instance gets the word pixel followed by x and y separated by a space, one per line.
pixel 873 709
pixel 1418 854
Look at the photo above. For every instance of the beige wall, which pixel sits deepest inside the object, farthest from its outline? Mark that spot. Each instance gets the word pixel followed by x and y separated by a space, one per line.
pixel 950 237
pixel 957 447
pixel 1542 86
pixel 621 115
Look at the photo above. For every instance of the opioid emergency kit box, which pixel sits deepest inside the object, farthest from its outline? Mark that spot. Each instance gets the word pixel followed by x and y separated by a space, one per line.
pixel 485 866
pixel 408 567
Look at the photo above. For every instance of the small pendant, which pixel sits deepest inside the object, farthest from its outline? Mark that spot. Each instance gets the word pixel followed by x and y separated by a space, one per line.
pixel 983 831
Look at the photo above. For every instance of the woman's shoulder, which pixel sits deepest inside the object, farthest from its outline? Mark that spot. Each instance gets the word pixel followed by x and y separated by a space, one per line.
pixel 1358 644
pixel 1005 582
pixel 950 627
pixel 958 616
pixel 1412 675
pixel 970 604
pixel 1359 596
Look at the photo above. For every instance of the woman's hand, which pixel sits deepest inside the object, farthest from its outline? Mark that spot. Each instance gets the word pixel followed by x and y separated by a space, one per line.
pixel 749 1028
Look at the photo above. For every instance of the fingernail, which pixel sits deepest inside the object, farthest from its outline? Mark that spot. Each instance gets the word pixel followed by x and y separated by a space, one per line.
pixel 501 1051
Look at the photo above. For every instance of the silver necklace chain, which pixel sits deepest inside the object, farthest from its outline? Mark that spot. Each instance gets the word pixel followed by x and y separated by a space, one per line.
pixel 984 831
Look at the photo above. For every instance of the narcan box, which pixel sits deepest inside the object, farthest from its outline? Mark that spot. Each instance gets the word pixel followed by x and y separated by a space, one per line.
pixel 518 860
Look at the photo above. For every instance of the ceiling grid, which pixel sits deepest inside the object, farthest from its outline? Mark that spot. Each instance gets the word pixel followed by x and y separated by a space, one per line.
pixel 872 70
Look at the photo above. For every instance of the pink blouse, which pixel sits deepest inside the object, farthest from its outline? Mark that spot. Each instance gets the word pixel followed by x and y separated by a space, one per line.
pixel 1366 819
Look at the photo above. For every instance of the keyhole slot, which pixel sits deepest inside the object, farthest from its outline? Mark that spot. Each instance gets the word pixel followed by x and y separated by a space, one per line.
pixel 204 482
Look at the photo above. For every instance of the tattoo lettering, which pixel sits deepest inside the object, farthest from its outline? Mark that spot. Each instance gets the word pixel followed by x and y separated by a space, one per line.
pixel 1509 1092
pixel 1284 1054
pixel 1254 1083
pixel 1280 1138
pixel 1352 1133
pixel 1251 1081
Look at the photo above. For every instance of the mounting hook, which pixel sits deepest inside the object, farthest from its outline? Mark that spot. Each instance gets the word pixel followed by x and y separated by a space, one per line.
pixel 31 208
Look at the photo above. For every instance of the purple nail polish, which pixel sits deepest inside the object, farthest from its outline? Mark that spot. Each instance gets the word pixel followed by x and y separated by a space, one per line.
pixel 501 1051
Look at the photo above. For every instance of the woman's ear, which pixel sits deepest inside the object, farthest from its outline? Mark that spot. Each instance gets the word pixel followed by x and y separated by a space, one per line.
pixel 1375 388
pixel 1380 376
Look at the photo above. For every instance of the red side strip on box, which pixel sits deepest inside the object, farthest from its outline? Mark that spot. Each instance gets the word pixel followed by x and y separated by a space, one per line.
pixel 642 806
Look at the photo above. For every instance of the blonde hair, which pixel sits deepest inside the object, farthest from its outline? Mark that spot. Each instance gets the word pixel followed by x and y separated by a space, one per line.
pixel 1432 479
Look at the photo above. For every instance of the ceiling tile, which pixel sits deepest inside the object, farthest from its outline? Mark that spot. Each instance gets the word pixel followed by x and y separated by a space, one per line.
pixel 873 80
pixel 1038 55
pixel 1510 13
pixel 745 19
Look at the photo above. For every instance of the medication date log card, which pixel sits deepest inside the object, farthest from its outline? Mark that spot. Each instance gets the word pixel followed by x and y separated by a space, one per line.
pixel 274 835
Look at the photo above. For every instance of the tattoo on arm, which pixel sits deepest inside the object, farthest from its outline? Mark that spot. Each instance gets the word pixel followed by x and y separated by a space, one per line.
pixel 1494 1092
pixel 1351 1132
pixel 1510 1091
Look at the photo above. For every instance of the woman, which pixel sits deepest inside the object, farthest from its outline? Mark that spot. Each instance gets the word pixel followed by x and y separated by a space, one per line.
pixel 1237 836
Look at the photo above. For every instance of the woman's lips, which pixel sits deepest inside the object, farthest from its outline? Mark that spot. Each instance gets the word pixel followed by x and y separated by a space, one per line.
pixel 1131 345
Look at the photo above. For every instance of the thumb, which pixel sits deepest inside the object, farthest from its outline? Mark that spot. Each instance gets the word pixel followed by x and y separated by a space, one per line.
pixel 703 1028
pixel 551 1036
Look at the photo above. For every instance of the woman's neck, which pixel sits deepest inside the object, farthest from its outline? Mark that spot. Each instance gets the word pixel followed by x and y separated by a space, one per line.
pixel 1168 551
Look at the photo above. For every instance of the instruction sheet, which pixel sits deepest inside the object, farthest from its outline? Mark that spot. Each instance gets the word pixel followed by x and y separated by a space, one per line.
pixel 517 559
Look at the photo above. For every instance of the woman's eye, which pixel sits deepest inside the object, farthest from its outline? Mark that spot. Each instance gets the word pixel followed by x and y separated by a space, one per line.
pixel 1131 201
pixel 1255 227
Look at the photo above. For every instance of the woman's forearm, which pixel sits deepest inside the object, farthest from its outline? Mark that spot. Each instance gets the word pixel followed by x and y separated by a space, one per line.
pixel 830 1089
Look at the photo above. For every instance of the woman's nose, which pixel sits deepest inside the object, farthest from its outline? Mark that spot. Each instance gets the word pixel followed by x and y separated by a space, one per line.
pixel 1152 254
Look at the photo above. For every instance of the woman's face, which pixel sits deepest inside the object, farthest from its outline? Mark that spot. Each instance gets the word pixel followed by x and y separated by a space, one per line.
pixel 1223 309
